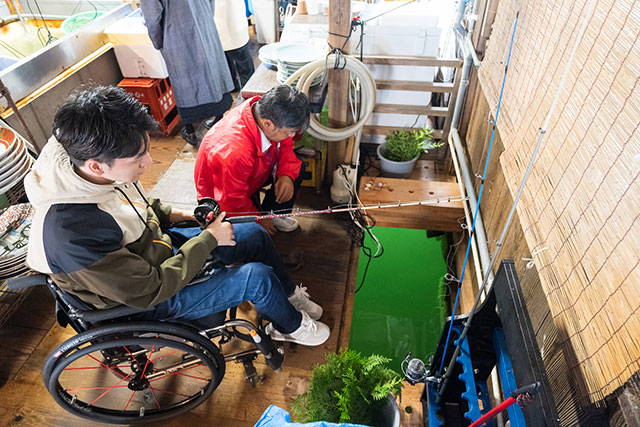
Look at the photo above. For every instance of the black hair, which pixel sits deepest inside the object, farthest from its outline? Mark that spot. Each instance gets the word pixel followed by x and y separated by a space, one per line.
pixel 102 123
pixel 286 106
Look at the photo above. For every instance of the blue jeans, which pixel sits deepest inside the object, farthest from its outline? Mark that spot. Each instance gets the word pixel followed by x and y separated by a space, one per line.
pixel 261 279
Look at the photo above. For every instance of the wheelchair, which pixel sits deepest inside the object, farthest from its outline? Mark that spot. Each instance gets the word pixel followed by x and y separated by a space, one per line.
pixel 121 370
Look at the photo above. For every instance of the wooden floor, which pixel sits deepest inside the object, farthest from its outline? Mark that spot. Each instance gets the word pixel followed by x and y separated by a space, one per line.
pixel 320 257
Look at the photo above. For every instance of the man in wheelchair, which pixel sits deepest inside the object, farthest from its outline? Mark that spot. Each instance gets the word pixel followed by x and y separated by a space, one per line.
pixel 101 239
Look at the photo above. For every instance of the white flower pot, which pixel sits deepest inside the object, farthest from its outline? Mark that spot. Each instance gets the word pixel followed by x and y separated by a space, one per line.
pixel 393 169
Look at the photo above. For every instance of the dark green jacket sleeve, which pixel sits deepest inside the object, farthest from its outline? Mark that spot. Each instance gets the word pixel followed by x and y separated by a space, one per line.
pixel 162 212
pixel 127 278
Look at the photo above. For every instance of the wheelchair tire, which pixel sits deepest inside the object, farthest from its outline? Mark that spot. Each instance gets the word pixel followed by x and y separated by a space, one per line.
pixel 121 375
pixel 99 334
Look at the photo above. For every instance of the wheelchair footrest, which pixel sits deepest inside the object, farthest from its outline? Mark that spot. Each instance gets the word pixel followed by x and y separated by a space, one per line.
pixel 250 373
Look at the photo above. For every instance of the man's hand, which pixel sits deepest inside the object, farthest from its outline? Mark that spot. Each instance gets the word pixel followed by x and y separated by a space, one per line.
pixel 178 215
pixel 222 231
pixel 268 225
pixel 284 189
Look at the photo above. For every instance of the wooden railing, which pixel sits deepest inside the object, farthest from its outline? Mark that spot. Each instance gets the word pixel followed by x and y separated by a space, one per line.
pixel 419 86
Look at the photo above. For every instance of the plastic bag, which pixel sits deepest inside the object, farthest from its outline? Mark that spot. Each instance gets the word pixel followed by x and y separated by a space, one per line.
pixel 274 416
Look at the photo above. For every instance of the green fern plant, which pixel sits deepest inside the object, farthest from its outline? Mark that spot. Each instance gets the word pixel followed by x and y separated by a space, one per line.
pixel 349 387
pixel 402 145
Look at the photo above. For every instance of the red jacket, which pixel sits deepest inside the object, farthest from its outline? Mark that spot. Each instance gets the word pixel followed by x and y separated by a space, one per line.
pixel 231 166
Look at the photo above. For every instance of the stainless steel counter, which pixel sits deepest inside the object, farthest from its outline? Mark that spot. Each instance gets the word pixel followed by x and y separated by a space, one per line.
pixel 37 69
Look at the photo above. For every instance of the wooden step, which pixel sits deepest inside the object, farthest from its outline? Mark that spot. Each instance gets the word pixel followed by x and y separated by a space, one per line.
pixel 442 216
pixel 386 130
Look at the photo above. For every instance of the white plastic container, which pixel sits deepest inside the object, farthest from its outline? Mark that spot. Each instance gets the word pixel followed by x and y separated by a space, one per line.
pixel 140 60
pixel 398 40
pixel 264 14
pixel 395 169
pixel 135 54
pixel 312 7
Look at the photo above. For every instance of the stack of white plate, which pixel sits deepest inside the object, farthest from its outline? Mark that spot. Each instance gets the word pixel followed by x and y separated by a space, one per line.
pixel 292 56
pixel 15 160
pixel 266 54
pixel 15 224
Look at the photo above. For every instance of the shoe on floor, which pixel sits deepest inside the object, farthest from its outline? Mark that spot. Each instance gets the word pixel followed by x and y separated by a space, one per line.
pixel 301 301
pixel 311 332
pixel 286 224
pixel 208 124
pixel 191 138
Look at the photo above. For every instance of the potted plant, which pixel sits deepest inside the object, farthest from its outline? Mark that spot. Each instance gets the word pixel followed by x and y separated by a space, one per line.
pixel 351 388
pixel 401 149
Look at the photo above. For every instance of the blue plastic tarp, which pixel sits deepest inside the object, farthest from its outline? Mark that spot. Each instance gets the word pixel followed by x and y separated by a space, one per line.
pixel 274 416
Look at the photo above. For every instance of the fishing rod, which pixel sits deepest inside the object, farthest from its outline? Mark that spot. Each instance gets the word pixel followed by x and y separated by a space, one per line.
pixel 208 210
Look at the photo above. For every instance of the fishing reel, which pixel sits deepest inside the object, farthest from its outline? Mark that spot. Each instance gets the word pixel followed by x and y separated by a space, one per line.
pixel 414 370
pixel 208 210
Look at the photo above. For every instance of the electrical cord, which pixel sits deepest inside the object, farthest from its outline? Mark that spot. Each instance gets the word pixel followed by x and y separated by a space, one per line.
pixel 75 9
pixel 11 49
pixel 367 251
pixel 389 11
pixel 365 223
pixel 44 39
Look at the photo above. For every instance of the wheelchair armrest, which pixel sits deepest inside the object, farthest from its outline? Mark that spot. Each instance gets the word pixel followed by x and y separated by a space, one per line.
pixel 93 316
pixel 24 282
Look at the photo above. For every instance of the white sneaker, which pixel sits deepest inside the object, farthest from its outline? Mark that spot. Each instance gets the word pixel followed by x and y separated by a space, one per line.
pixel 286 224
pixel 310 332
pixel 300 300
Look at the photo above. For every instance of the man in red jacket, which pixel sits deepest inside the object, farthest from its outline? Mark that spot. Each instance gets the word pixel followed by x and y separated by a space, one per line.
pixel 251 147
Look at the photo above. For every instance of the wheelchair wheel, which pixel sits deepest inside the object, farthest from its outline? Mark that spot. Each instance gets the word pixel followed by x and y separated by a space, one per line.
pixel 122 375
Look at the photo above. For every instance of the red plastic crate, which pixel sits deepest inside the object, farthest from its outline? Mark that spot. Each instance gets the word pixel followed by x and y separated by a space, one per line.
pixel 157 96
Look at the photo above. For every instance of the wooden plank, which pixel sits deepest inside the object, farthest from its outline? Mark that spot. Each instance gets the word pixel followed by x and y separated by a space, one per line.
pixel 482 36
pixel 414 86
pixel 452 102
pixel 339 31
pixel 427 170
pixel 386 130
pixel 12 6
pixel 261 81
pixel 411 60
pixel 349 296
pixel 442 216
pixel 411 109
pixel 410 405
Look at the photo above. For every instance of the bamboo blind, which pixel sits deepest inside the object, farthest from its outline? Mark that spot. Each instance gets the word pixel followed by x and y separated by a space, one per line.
pixel 581 205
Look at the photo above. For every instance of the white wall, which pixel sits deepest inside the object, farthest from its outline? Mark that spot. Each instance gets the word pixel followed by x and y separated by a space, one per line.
pixel 4 10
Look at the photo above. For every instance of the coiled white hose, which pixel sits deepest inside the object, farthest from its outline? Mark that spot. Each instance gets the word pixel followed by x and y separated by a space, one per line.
pixel 305 76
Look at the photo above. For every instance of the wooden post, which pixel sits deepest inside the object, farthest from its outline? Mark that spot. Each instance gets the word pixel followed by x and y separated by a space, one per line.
pixel 339 28
pixel 12 6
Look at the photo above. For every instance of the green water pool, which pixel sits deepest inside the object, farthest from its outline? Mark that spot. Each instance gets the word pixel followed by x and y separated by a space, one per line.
pixel 400 307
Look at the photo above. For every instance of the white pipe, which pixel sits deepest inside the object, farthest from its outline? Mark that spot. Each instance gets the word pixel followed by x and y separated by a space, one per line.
pixel 31 16
pixel 24 25
pixel 467 214
pixel 479 231
pixel 462 168
pixel 471 50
